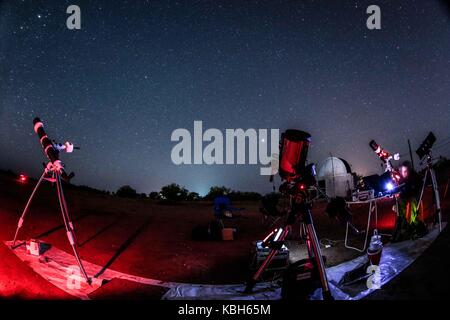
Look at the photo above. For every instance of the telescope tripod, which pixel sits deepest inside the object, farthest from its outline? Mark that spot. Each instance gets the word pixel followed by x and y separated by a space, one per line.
pixel 275 240
pixel 430 171
pixel 52 173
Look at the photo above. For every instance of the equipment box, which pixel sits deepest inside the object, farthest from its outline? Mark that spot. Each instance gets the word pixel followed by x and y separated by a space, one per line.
pixel 227 234
pixel 35 247
pixel 280 260
pixel 363 195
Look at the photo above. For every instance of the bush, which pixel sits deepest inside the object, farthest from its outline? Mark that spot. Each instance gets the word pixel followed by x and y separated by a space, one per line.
pixel 217 191
pixel 154 195
pixel 193 196
pixel 126 192
pixel 174 192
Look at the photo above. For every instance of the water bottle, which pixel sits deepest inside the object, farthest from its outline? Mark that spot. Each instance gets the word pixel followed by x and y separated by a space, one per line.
pixel 375 248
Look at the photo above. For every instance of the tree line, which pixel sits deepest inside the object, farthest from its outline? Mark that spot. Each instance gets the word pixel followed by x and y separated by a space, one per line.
pixel 174 192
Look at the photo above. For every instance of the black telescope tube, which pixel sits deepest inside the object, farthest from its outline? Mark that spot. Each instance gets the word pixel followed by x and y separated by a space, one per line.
pixel 374 145
pixel 46 143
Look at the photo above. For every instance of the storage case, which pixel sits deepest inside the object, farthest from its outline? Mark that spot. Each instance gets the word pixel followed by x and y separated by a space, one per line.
pixel 280 260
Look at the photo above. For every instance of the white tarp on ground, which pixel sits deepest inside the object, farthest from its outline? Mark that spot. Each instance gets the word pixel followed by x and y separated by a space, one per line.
pixel 57 266
pixel 396 257
pixel 60 269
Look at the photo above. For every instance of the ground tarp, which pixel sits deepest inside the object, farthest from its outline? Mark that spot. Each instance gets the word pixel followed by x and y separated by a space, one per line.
pixel 60 269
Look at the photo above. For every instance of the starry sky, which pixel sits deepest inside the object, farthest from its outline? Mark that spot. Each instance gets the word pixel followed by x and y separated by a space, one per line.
pixel 137 70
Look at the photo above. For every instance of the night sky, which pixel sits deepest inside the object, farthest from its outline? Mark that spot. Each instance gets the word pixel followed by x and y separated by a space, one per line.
pixel 137 70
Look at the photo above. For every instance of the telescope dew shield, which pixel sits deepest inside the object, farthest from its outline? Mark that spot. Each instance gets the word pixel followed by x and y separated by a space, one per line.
pixel 293 153
pixel 375 146
pixel 46 143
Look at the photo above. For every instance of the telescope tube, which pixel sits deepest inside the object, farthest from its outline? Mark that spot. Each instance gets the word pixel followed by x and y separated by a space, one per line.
pixel 293 151
pixel 46 143
pixel 383 154
pixel 49 150
pixel 375 146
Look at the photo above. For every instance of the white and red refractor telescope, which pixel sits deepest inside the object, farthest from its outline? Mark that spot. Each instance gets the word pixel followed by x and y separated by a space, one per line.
pixel 386 158
pixel 54 172
pixel 52 149
pixel 384 155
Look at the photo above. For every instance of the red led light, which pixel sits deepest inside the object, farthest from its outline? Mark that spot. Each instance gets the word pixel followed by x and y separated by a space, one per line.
pixel 23 178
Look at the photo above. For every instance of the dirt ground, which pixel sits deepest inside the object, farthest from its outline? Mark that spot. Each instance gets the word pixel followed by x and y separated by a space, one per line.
pixel 148 239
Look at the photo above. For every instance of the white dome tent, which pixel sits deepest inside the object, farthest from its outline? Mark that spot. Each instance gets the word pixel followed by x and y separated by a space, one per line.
pixel 335 175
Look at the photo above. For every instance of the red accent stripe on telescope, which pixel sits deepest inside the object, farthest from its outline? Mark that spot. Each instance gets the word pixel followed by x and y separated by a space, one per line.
pixel 43 137
pixel 37 126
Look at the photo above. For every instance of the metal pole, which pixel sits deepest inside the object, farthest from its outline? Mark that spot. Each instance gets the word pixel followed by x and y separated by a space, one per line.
pixel 332 168
pixel 423 188
pixel 22 217
pixel 69 231
pixel 446 188
pixel 410 155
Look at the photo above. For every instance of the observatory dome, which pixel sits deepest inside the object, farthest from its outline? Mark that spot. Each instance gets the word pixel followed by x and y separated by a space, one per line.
pixel 333 166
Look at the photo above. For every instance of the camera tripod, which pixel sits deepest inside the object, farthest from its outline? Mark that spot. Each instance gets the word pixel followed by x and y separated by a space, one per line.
pixel 430 171
pixel 53 173
pixel 301 211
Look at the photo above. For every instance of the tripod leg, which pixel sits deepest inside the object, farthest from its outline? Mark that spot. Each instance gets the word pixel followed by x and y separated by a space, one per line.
pixel 69 231
pixel 423 188
pixel 319 260
pixel 318 257
pixel 446 188
pixel 251 283
pixel 436 197
pixel 66 213
pixel 308 240
pixel 22 217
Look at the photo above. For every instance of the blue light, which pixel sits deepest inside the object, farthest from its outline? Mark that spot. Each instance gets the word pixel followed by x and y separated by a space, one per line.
pixel 389 186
